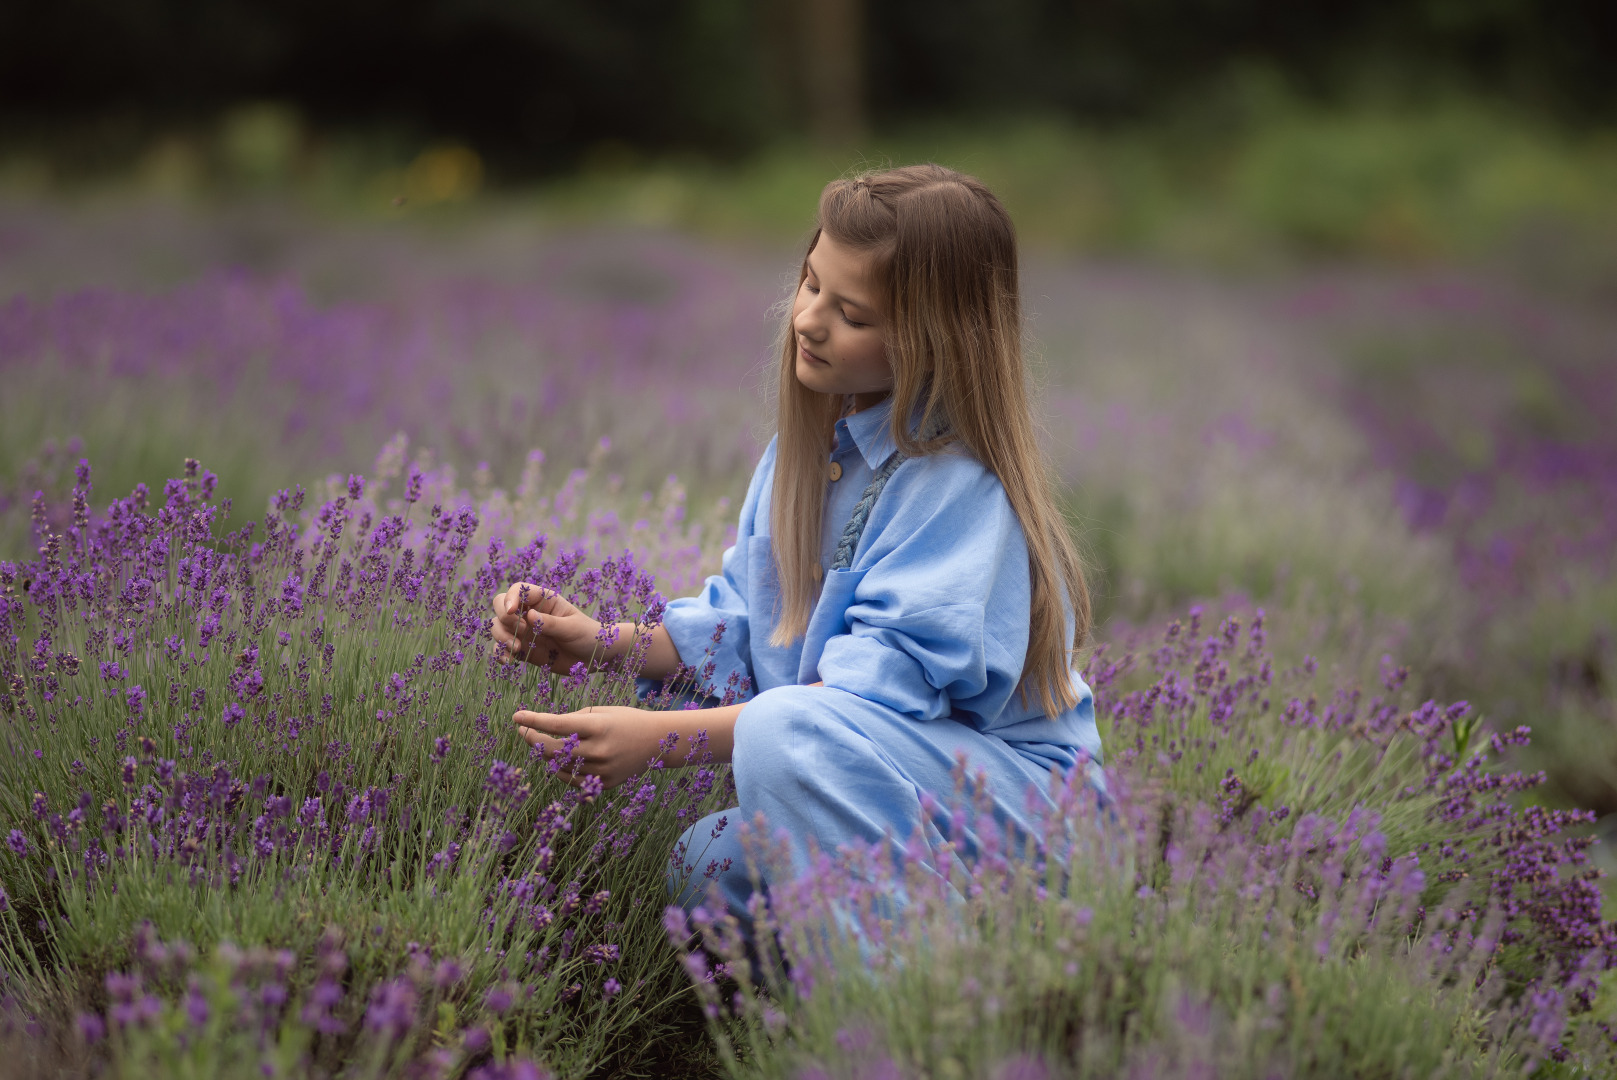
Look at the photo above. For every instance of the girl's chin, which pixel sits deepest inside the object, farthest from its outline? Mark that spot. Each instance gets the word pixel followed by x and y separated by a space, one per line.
pixel 816 377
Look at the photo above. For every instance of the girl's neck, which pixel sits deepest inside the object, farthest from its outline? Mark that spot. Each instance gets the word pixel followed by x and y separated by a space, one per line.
pixel 857 403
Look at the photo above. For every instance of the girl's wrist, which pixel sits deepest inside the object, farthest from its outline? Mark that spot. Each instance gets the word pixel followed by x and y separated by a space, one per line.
pixel 612 644
pixel 716 725
pixel 624 644
pixel 658 657
pixel 652 730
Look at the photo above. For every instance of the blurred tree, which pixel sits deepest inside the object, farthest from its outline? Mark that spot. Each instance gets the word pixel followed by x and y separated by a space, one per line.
pixel 833 57
pixel 816 66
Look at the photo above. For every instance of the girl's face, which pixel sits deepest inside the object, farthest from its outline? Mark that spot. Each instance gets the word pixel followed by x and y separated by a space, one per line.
pixel 840 349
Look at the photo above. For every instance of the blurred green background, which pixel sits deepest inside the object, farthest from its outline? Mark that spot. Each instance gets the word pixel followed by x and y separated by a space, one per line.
pixel 1231 132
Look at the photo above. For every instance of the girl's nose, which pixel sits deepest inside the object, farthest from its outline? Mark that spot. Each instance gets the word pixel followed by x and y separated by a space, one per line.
pixel 805 325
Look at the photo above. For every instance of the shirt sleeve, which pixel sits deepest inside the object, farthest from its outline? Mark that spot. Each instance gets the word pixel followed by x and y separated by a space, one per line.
pixel 692 621
pixel 938 618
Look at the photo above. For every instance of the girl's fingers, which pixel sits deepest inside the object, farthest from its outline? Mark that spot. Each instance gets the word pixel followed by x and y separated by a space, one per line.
pixel 551 744
pixel 550 602
pixel 538 738
pixel 532 721
pixel 556 725
pixel 581 767
pixel 525 596
pixel 510 640
pixel 507 604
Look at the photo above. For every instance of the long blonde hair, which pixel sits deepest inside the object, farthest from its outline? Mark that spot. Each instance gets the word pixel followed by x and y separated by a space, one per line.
pixel 944 263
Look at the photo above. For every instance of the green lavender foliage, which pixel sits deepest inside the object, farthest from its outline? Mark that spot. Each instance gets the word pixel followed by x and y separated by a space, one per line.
pixel 1283 880
pixel 1088 974
pixel 342 658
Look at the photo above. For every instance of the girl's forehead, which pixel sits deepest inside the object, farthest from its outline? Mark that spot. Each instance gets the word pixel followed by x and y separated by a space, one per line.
pixel 847 271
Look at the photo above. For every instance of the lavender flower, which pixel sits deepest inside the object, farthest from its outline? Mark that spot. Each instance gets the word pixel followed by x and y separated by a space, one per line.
pixel 392 1011
pixel 498 1000
pixel 197 1011
pixel 324 997
pixel 448 973
pixel 92 1028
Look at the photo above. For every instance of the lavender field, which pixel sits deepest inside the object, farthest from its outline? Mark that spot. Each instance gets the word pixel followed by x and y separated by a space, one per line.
pixel 1353 534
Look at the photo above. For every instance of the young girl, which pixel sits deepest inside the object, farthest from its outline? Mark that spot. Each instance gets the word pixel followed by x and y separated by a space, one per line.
pixel 903 588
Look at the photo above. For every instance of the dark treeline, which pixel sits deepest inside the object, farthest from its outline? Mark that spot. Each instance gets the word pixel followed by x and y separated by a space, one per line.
pixel 532 83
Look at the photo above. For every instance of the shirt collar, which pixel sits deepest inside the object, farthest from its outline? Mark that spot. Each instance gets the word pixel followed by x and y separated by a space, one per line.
pixel 872 432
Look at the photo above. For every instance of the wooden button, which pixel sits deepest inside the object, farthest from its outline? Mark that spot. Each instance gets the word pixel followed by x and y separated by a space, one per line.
pixel 836 471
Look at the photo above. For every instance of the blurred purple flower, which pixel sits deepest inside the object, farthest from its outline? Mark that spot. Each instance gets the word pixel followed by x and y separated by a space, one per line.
pixel 448 973
pixel 498 1000
pixel 92 1028
pixel 392 1011
pixel 324 997
pixel 196 1007
pixel 1022 1067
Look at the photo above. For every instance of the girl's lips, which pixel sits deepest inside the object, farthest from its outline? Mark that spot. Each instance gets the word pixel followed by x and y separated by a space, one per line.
pixel 810 357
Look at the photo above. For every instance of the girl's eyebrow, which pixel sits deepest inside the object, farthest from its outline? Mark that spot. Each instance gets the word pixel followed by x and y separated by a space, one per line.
pixel 809 262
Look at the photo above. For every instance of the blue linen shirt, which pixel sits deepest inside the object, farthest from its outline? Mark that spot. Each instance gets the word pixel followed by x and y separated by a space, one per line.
pixel 931 618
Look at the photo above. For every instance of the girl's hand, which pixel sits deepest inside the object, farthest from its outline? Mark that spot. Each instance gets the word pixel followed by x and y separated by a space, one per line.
pixel 614 741
pixel 535 624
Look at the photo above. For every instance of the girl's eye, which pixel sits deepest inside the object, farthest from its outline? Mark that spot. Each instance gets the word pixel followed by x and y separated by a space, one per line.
pixel 810 287
pixel 855 325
